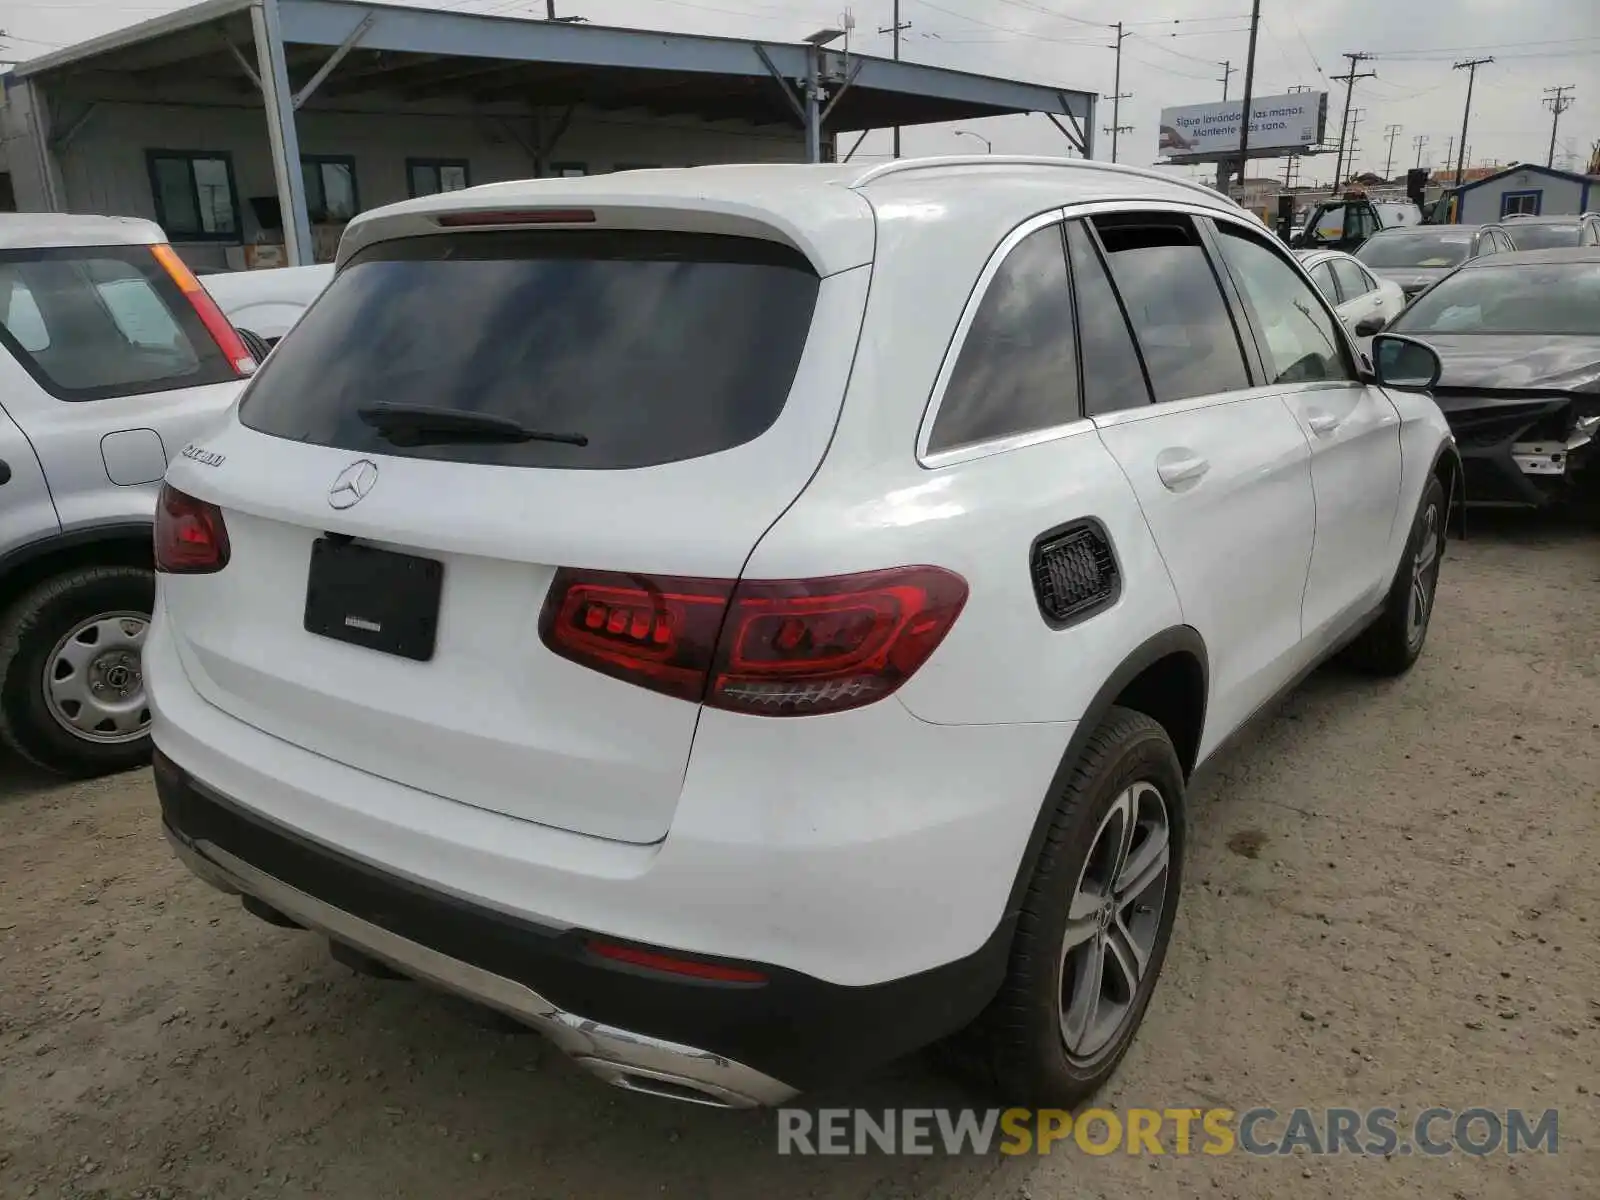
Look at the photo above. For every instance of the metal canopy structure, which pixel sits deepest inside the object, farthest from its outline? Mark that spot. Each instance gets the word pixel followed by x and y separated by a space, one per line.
pixel 301 53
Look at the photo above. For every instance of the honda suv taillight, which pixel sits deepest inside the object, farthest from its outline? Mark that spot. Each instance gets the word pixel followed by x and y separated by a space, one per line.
pixel 190 538
pixel 775 647
pixel 216 324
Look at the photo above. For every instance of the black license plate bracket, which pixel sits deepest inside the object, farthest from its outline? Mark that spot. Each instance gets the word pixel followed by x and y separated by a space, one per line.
pixel 379 599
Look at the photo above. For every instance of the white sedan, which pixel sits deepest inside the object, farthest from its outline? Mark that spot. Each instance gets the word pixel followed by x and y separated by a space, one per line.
pixel 1365 302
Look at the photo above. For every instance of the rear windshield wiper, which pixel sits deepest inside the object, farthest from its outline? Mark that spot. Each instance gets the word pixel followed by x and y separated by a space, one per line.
pixel 428 424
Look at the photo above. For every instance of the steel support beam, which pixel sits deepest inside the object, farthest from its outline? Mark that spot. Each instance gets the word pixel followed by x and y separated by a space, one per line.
pixel 238 57
pixel 843 88
pixel 281 132
pixel 814 106
pixel 334 59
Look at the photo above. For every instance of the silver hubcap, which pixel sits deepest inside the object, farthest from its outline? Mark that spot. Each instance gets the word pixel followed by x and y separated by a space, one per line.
pixel 93 683
pixel 1424 576
pixel 1113 921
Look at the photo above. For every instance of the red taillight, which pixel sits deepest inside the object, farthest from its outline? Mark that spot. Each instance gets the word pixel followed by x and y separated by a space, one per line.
pixel 191 538
pixel 671 964
pixel 782 648
pixel 217 325
pixel 526 216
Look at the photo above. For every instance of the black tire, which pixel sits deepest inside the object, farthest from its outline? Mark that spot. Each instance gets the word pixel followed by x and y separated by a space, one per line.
pixel 1017 1048
pixel 1392 643
pixel 29 635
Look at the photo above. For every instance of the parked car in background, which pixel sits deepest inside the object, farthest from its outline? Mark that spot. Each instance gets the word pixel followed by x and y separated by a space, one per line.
pixel 1550 233
pixel 1415 258
pixel 113 359
pixel 1347 222
pixel 607 604
pixel 1519 339
pixel 1365 302
pixel 266 303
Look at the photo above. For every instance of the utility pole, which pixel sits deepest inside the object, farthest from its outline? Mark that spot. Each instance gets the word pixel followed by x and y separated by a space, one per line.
pixel 1557 101
pixel 1421 143
pixel 1117 94
pixel 1449 152
pixel 1471 65
pixel 1391 132
pixel 1349 80
pixel 1355 142
pixel 896 29
pixel 1249 87
pixel 1228 72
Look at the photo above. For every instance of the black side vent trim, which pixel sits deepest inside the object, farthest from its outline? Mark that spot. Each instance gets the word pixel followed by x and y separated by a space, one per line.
pixel 1074 572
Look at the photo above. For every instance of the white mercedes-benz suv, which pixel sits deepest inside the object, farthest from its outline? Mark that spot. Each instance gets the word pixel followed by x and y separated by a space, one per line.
pixel 752 622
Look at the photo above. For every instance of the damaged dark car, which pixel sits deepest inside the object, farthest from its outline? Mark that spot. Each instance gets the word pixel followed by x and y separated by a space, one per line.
pixel 1519 339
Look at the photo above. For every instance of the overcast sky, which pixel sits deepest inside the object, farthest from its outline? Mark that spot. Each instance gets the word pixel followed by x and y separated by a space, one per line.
pixel 1173 56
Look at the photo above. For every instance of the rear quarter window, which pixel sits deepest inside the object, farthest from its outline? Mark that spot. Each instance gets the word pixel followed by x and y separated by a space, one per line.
pixel 94 322
pixel 653 347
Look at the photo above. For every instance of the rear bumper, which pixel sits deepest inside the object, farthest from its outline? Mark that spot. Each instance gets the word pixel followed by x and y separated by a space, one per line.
pixel 728 1044
pixel 864 865
pixel 620 1057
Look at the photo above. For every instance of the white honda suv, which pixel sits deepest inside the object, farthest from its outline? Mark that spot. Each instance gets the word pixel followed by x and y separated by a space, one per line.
pixel 753 622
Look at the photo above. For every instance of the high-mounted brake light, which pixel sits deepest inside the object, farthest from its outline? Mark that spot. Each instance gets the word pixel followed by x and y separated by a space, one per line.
pixel 527 216
pixel 217 325
pixel 190 537
pixel 782 648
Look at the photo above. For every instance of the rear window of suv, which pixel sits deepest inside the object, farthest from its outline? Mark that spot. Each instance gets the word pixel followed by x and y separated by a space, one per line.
pixel 652 347
pixel 99 321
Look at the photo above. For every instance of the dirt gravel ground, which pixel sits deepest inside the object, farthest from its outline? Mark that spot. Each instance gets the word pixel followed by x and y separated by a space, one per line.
pixel 1391 900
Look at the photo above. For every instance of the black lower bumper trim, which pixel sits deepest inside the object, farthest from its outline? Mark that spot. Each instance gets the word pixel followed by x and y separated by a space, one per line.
pixel 802 1030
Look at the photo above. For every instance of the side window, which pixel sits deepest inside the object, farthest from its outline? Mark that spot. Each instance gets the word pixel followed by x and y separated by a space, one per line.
pixel 1301 339
pixel 24 321
pixel 1175 305
pixel 1352 279
pixel 1017 370
pixel 1322 276
pixel 1113 377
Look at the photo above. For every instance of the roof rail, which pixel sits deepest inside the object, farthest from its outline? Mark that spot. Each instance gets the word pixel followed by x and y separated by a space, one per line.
pixel 901 166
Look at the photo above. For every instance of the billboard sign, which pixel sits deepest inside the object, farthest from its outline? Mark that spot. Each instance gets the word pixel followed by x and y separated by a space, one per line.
pixel 1279 125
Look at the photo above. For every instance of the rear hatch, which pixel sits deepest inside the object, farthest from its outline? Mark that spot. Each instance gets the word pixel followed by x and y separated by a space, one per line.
pixel 460 415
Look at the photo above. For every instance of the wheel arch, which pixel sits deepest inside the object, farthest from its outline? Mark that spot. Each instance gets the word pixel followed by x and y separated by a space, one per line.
pixel 1447 469
pixel 1168 678
pixel 112 544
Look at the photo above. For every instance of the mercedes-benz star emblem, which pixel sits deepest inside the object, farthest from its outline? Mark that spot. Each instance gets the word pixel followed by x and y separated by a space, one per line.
pixel 354 482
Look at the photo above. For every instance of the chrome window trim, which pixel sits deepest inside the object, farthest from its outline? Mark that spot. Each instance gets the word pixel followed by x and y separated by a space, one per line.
pixel 1093 208
pixel 958 341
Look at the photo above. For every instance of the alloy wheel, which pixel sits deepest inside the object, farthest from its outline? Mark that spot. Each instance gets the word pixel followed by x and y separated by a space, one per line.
pixel 1113 921
pixel 1424 577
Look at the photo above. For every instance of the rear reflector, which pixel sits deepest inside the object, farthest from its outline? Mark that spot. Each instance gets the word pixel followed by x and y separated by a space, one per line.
pixel 190 536
pixel 782 648
pixel 530 216
pixel 217 325
pixel 655 960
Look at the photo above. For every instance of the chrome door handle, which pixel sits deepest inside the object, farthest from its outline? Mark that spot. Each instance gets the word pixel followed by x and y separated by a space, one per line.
pixel 1322 423
pixel 1176 471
